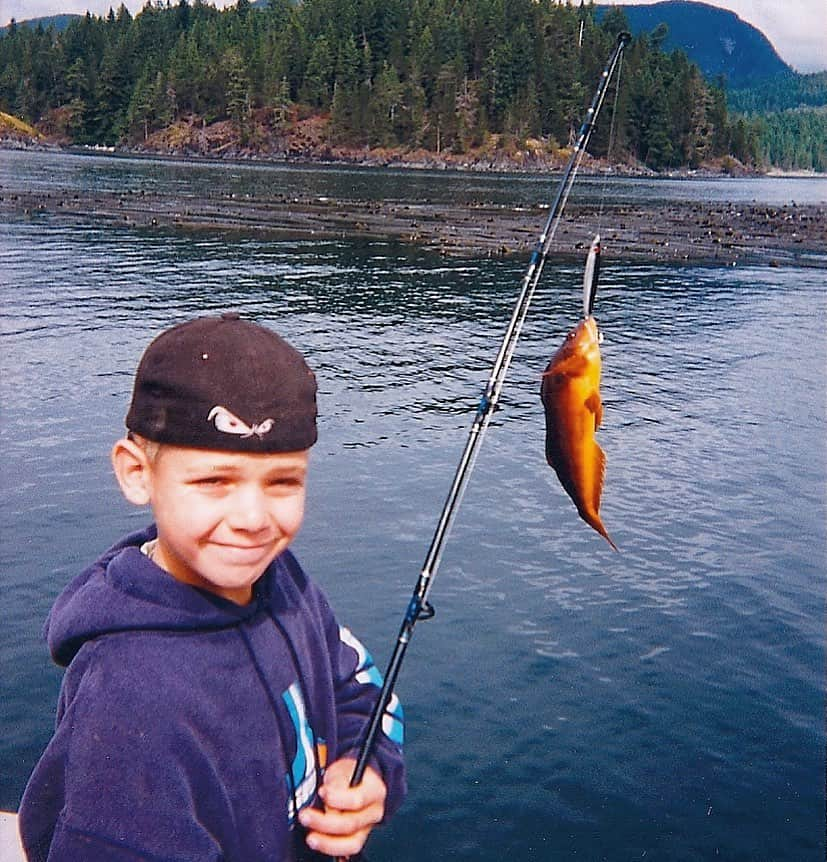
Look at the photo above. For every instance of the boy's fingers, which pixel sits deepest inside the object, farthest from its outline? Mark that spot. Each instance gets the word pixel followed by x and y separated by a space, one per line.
pixel 333 821
pixel 350 813
pixel 336 791
pixel 348 798
pixel 336 846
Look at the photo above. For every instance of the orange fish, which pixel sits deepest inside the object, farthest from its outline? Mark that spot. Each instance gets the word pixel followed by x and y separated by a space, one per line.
pixel 570 392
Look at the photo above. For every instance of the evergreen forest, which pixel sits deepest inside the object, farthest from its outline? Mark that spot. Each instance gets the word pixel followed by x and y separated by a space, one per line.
pixel 445 76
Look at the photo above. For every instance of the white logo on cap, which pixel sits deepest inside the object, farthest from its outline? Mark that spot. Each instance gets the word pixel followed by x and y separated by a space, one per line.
pixel 231 424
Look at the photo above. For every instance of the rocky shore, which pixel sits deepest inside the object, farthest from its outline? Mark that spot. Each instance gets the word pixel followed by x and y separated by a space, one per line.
pixel 672 231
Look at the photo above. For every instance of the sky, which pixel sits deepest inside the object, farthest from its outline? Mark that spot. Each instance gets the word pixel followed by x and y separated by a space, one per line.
pixel 796 28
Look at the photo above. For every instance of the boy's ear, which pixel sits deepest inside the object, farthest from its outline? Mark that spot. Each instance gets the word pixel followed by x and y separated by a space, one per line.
pixel 132 470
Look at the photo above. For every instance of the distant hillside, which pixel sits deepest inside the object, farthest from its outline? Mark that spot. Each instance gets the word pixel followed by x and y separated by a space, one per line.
pixel 718 41
pixel 781 93
pixel 59 22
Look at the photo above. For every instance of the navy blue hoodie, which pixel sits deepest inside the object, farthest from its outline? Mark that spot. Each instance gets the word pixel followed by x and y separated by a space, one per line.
pixel 191 728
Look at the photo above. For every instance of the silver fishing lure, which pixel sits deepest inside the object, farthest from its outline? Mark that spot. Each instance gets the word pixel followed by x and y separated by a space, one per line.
pixel 590 276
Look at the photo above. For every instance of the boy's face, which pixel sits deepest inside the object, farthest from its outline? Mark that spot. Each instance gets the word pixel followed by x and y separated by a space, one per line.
pixel 223 517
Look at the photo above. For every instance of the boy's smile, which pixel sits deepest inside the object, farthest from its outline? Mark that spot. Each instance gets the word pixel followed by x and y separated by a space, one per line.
pixel 223 517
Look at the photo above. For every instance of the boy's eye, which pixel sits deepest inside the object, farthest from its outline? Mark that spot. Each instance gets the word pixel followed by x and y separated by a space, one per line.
pixel 285 482
pixel 211 481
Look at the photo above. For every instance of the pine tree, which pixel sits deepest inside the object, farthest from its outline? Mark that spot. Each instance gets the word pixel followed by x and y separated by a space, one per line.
pixel 699 102
pixel 345 128
pixel 386 107
pixel 718 122
pixel 318 80
pixel 238 93
pixel 140 112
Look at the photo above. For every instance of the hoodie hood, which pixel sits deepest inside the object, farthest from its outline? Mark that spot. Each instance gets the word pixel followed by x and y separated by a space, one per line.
pixel 123 590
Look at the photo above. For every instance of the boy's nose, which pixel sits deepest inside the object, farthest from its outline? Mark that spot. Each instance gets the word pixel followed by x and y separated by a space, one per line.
pixel 249 511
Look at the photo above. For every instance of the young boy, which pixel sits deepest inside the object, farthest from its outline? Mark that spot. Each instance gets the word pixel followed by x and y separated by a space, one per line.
pixel 212 706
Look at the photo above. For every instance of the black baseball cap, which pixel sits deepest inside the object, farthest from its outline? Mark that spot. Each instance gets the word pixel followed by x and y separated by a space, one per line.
pixel 224 383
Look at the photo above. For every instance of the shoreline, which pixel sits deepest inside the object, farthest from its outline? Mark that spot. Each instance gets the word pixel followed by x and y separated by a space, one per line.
pixel 674 231
pixel 427 161
pixel 498 161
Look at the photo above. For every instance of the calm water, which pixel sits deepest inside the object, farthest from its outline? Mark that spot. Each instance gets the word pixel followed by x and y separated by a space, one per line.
pixel 666 702
pixel 34 171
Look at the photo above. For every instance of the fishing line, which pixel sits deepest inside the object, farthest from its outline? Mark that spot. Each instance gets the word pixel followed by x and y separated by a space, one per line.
pixel 610 147
pixel 418 606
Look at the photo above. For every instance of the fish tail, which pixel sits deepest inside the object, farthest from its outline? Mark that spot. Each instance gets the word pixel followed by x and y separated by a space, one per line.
pixel 596 523
pixel 608 538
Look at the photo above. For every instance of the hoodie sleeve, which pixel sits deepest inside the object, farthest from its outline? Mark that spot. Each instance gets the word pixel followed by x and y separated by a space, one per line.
pixel 110 786
pixel 357 683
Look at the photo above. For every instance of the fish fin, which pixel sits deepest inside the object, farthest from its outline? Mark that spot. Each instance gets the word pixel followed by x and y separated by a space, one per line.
pixel 589 511
pixel 595 405
pixel 587 507
pixel 557 459
pixel 597 487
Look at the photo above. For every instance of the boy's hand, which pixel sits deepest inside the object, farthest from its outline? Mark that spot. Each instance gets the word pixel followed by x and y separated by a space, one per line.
pixel 350 813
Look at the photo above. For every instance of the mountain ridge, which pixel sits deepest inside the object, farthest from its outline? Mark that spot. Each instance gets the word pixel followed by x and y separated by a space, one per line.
pixel 737 51
pixel 59 21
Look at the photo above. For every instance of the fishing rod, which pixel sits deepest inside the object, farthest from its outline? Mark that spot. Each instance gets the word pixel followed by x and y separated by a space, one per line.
pixel 419 607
